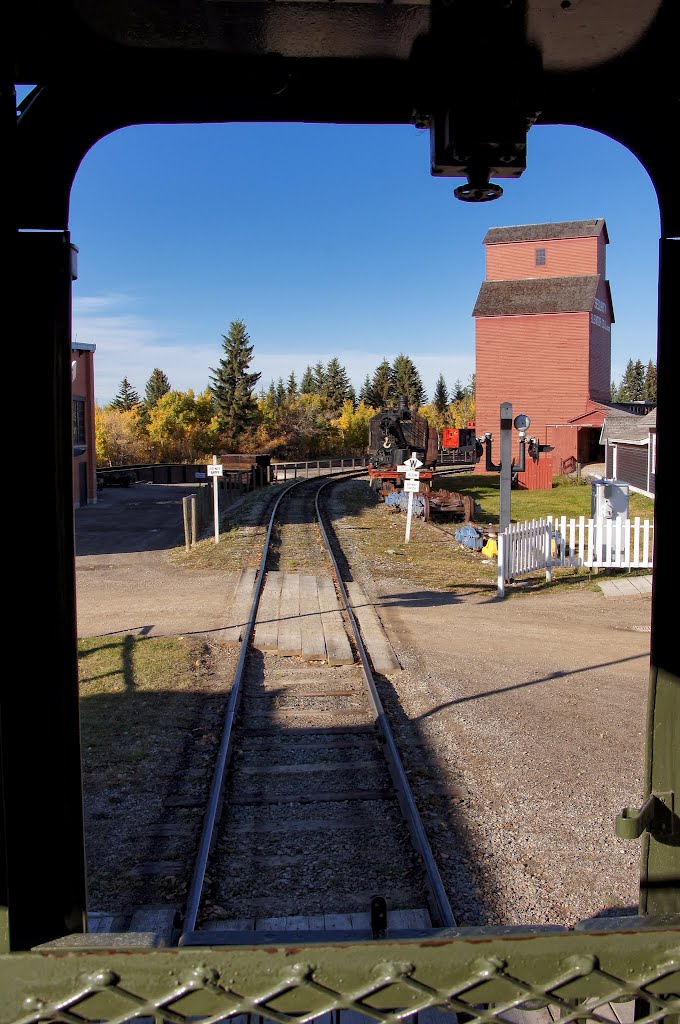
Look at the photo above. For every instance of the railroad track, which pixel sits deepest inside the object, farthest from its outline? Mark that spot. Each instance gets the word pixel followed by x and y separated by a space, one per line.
pixel 310 823
pixel 315 817
pixel 308 814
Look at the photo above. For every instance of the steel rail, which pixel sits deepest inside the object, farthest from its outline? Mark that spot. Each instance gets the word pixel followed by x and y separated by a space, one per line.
pixel 217 784
pixel 439 901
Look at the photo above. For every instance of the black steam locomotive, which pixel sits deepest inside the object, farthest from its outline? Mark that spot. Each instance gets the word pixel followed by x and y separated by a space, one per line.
pixel 394 434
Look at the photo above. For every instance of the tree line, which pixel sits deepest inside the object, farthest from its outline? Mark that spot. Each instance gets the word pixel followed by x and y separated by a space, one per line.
pixel 638 383
pixel 320 415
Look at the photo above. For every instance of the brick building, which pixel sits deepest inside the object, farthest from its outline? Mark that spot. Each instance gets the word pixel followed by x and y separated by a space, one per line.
pixel 543 334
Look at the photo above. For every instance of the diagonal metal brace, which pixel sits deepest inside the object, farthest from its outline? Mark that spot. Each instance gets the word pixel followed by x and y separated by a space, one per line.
pixel 655 816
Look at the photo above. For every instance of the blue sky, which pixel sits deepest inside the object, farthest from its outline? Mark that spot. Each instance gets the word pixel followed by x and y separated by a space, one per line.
pixel 327 241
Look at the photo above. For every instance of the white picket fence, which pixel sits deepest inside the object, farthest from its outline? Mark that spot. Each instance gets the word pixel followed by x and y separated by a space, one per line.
pixel 558 541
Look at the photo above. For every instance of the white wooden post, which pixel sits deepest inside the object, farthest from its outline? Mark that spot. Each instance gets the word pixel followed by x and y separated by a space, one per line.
pixel 636 541
pixel 500 582
pixel 409 513
pixel 581 539
pixel 411 485
pixel 216 471
pixel 216 503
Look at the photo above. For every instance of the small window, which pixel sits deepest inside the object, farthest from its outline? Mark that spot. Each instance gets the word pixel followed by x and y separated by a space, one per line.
pixel 540 257
pixel 78 421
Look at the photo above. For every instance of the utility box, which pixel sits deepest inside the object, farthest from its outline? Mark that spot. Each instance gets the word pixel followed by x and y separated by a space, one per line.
pixel 609 499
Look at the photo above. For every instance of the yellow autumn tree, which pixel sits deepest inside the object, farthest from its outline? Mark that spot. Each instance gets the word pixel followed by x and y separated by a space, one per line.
pixel 459 413
pixel 119 437
pixel 435 417
pixel 184 427
pixel 353 427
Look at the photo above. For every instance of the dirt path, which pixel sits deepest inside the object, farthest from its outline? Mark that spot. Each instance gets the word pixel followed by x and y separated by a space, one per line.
pixel 125 579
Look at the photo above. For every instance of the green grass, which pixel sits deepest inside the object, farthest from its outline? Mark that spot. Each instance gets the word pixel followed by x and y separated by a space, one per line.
pixel 116 664
pixel 567 498
pixel 242 531
pixel 376 536
pixel 148 706
pixel 129 687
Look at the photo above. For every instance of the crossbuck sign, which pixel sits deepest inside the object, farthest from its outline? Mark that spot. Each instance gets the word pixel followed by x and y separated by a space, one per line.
pixel 410 469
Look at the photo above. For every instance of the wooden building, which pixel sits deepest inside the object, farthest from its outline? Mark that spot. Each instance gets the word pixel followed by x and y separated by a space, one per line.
pixel 543 321
pixel 82 400
pixel 630 450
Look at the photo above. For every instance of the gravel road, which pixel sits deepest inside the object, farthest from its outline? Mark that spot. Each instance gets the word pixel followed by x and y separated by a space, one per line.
pixel 532 709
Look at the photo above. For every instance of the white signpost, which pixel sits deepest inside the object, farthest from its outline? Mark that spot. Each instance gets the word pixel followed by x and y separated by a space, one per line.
pixel 216 470
pixel 411 487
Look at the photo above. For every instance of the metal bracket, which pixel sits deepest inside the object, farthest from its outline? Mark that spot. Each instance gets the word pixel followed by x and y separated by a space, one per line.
pixel 656 816
pixel 491 466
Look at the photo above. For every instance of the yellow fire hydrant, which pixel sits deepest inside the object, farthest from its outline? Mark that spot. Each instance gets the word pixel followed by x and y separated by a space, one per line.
pixel 490 549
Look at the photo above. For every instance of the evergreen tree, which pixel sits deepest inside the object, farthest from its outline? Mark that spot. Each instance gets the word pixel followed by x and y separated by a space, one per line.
pixel 232 385
pixel 457 391
pixel 319 376
pixel 156 386
pixel 127 398
pixel 336 385
pixel 352 396
pixel 280 392
pixel 307 382
pixel 291 387
pixel 407 381
pixel 365 394
pixel 639 381
pixel 382 386
pixel 626 390
pixel 471 389
pixel 440 399
pixel 649 393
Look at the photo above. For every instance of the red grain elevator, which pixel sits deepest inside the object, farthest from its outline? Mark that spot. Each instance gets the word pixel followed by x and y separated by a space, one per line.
pixel 543 328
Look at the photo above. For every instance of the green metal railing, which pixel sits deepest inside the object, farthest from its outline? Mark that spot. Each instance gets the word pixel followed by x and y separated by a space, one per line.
pixel 480 973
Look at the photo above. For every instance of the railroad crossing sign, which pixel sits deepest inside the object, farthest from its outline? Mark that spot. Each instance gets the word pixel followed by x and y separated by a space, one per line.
pixel 410 469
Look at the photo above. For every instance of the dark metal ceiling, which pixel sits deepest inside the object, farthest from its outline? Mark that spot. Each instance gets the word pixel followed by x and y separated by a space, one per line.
pixel 477 73
pixel 569 34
